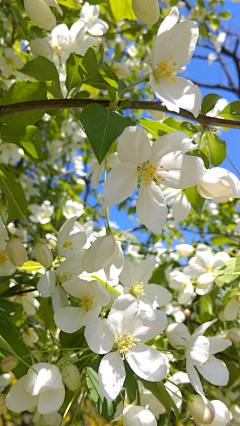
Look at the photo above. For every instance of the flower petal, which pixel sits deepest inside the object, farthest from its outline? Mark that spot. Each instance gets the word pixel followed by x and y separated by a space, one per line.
pixel 46 284
pixel 215 371
pixel 147 363
pixel 195 381
pixel 98 336
pixel 218 345
pixel 120 184
pixel 51 400
pixel 148 324
pixel 111 375
pixel 157 295
pixel 18 400
pixel 134 146
pixel 151 207
pixel 181 207
pixel 122 315
pixel 69 319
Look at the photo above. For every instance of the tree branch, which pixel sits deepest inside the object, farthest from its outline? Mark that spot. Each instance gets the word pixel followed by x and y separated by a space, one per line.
pixel 45 105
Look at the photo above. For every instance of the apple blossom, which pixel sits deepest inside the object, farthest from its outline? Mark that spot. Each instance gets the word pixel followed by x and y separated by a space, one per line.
pixel 199 351
pixel 70 243
pixel 146 11
pixel 135 415
pixel 219 185
pixel 135 277
pixel 124 329
pixel 40 12
pixel 90 16
pixel 71 376
pixel 92 296
pixel 8 61
pixel 179 281
pixel 29 302
pixel 8 363
pixel 105 252
pixel 41 387
pixel 41 214
pixel 16 252
pixel 173 49
pixel 200 411
pixel 72 208
pixel 42 253
pixel 165 161
pixel 30 337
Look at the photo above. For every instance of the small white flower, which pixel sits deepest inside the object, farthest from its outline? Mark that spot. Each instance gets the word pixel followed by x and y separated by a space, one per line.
pixel 30 337
pixel 70 243
pixel 199 353
pixel 90 15
pixel 29 302
pixel 92 296
pixel 41 387
pixel 124 329
pixel 72 208
pixel 8 62
pixel 165 161
pixel 43 213
pixel 179 281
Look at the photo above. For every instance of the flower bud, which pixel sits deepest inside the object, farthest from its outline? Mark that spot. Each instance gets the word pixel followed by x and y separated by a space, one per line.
pixel 201 412
pixel 219 184
pixel 40 13
pixel 184 249
pixel 135 415
pixel 16 252
pixel 2 404
pixel 120 69
pixel 146 11
pixel 71 377
pixel 9 363
pixel 100 254
pixel 42 253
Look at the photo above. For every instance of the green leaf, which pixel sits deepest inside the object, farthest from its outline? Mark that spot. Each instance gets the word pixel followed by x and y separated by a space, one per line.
pixel 73 76
pixel 217 149
pixel 7 309
pixel 230 271
pixel 46 313
pixel 195 199
pixel 231 111
pixel 158 276
pixel 233 372
pixel 70 4
pixel 188 128
pixel 102 126
pixel 12 342
pixel 44 70
pixel 156 128
pixel 224 15
pixel 160 392
pixel 206 308
pixel 14 194
pixel 121 9
pixel 209 102
pixel 130 384
pixel 219 240
pixel 29 138
pixel 23 91
pixel 73 340
pixel 105 408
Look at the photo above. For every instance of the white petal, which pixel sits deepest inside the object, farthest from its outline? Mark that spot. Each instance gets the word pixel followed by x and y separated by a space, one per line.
pixel 151 207
pixel 51 400
pixel 120 184
pixel 181 207
pixel 218 345
pixel 222 414
pixel 127 275
pixel 134 146
pixel 148 324
pixel 219 260
pixel 144 270
pixel 98 336
pixel 195 380
pixel 69 319
pixel 201 330
pixel 18 400
pixel 177 334
pixel 122 315
pixel 185 294
pixel 114 268
pixel 215 371
pixel 156 295
pixel 198 350
pixel 91 314
pixel 59 298
pixel 171 142
pixel 46 284
pixel 111 375
pixel 147 363
pixel 231 310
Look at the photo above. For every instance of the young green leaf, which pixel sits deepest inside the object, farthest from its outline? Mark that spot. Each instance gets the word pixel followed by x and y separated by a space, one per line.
pixel 14 194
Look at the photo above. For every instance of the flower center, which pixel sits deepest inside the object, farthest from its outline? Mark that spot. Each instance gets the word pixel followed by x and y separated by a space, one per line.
pixel 69 211
pixel 137 290
pixel 68 244
pixel 126 342
pixel 42 215
pixel 62 278
pixel 207 361
pixel 185 285
pixel 3 258
pixel 85 302
pixel 165 69
pixel 208 268
pixel 149 173
pixel 9 61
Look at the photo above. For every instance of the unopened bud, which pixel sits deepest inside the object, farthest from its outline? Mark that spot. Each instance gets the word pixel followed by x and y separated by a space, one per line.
pixel 147 11
pixel 40 13
pixel 71 377
pixel 201 412
pixel 9 363
pixel 42 253
pixel 16 252
pixel 120 69
pixel 135 415
pixel 100 254
pixel 184 249
pixel 2 403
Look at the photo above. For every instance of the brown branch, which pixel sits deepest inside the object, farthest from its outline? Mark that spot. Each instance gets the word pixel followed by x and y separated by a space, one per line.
pixel 217 86
pixel 6 110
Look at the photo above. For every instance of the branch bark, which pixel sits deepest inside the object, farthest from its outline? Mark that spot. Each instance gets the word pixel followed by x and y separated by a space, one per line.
pixel 47 105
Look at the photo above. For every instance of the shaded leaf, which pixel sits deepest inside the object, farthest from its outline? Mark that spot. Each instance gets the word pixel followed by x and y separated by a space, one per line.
pixel 29 138
pixel 7 309
pixel 209 102
pixel 14 194
pixel 195 199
